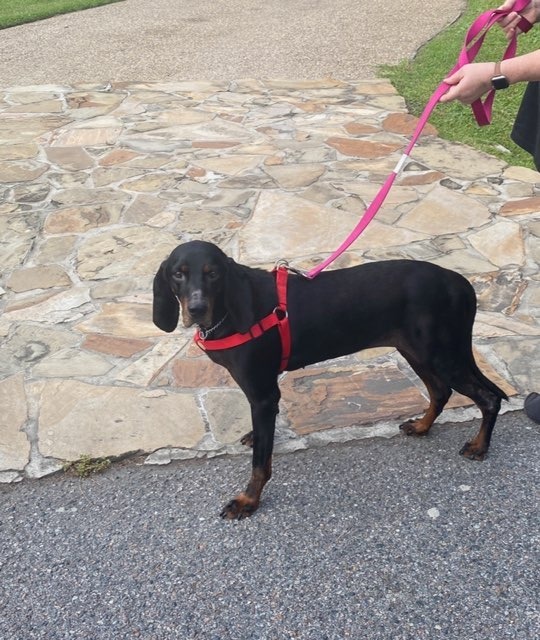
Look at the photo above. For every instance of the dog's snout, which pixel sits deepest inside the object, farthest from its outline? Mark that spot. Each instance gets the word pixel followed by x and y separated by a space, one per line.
pixel 197 309
pixel 197 305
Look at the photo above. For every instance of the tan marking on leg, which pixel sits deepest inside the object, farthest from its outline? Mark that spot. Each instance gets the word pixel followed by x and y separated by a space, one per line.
pixel 245 503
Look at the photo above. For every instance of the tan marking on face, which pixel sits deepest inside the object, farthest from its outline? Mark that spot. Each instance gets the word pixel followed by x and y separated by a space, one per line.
pixel 207 320
pixel 187 320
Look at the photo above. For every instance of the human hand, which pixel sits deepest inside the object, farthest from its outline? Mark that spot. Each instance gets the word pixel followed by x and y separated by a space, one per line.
pixel 509 23
pixel 469 83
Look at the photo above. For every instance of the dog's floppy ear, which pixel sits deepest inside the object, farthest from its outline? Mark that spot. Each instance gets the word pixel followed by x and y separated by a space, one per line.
pixel 165 310
pixel 239 297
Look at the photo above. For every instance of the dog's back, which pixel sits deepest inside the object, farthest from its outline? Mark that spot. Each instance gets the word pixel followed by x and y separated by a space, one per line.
pixel 388 303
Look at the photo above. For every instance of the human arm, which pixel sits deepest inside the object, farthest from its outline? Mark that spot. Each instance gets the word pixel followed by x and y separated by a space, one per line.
pixel 472 81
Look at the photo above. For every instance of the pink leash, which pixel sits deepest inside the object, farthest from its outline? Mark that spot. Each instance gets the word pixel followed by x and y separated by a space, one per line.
pixel 481 110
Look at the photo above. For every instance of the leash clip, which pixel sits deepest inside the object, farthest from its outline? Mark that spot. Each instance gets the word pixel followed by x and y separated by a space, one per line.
pixel 284 264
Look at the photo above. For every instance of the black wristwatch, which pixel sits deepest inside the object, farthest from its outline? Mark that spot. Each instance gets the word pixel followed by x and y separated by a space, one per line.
pixel 499 81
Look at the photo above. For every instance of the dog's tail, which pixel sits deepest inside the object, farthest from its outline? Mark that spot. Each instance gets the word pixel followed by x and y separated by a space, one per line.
pixel 471 304
pixel 488 384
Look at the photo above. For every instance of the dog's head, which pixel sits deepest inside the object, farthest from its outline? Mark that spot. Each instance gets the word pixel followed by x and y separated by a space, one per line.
pixel 205 284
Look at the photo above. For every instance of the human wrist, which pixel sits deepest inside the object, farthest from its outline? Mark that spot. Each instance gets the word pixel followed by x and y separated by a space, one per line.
pixel 499 80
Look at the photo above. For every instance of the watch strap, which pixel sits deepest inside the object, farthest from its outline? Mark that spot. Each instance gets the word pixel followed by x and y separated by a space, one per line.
pixel 499 80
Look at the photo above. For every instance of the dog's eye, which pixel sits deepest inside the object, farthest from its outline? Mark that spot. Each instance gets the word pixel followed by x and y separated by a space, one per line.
pixel 179 275
pixel 212 275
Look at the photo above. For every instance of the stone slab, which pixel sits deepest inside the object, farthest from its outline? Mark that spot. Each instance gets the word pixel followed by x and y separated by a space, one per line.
pixel 444 211
pixel 122 320
pixel 456 160
pixel 143 370
pixel 14 444
pixel 101 421
pixel 82 218
pixel 284 226
pixel 326 397
pixel 133 250
pixel 62 307
pixel 28 343
pixel 199 373
pixel 228 414
pixel 44 277
pixel 501 243
pixel 72 363
pixel 116 346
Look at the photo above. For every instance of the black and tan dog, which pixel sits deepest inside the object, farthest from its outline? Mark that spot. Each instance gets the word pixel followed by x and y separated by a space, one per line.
pixel 424 311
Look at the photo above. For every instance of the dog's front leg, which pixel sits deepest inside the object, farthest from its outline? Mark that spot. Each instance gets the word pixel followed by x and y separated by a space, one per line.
pixel 263 415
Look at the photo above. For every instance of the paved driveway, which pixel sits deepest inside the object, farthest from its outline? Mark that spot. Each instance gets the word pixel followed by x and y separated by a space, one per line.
pixel 169 40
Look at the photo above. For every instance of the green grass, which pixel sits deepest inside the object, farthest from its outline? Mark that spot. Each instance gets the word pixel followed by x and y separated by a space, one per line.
pixel 416 80
pixel 85 466
pixel 13 12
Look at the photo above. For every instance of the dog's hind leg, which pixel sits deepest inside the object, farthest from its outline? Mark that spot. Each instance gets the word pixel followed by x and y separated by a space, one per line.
pixel 487 398
pixel 458 368
pixel 439 393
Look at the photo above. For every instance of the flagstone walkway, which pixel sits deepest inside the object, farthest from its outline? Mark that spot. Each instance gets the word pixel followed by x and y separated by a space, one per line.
pixel 99 183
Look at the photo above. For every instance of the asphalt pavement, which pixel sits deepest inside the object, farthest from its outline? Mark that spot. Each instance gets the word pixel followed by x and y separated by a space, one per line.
pixel 399 539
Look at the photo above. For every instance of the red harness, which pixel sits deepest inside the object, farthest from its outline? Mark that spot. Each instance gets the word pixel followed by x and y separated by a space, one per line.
pixel 278 318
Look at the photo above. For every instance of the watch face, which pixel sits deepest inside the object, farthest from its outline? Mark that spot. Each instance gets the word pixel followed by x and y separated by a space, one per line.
pixel 500 82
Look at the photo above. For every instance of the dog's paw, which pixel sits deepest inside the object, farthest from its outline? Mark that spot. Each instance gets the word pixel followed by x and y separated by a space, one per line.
pixel 472 451
pixel 239 508
pixel 247 439
pixel 414 427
